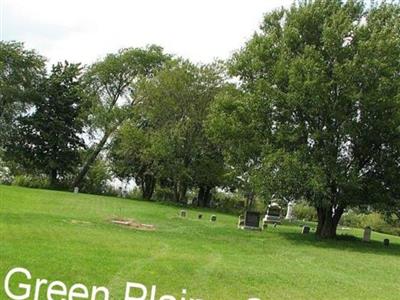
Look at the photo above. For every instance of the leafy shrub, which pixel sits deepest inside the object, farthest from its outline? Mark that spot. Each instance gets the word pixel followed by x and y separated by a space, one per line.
pixel 227 202
pixel 37 182
pixel 303 211
pixel 5 174
pixel 374 220
pixel 163 194
pixel 96 180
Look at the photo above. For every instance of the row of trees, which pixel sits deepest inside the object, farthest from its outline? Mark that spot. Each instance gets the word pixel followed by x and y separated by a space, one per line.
pixel 308 109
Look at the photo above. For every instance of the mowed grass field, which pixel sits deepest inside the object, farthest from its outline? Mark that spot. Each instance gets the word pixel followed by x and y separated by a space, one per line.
pixel 68 237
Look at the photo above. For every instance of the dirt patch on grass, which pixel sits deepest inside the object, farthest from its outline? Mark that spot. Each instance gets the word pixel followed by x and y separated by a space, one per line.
pixel 77 222
pixel 132 224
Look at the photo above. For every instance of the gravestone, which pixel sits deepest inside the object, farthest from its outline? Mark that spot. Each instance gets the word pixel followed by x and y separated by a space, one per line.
pixel 200 216
pixel 252 219
pixel 76 190
pixel 386 242
pixel 306 230
pixel 213 218
pixel 183 213
pixel 367 234
pixel 241 221
pixel 289 212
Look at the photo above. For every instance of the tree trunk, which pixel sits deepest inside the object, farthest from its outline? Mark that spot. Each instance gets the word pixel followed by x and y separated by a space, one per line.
pixel 148 185
pixel 53 178
pixel 90 160
pixel 328 220
pixel 204 196
pixel 180 190
pixel 182 193
pixel 250 200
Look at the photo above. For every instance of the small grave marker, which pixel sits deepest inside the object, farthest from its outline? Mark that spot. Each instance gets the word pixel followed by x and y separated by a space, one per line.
pixel 76 190
pixel 367 234
pixel 183 213
pixel 213 218
pixel 305 230
pixel 386 242
pixel 200 216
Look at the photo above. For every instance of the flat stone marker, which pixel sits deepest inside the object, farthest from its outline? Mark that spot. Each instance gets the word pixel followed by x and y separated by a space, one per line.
pixel 200 216
pixel 367 234
pixel 183 213
pixel 305 230
pixel 213 218
pixel 386 242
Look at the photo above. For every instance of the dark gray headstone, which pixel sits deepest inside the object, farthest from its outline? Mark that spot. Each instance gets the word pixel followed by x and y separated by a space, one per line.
pixel 213 218
pixel 200 216
pixel 252 219
pixel 386 242
pixel 306 230
pixel 183 213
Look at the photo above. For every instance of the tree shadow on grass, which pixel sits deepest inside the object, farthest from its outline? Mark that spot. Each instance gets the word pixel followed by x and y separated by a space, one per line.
pixel 343 242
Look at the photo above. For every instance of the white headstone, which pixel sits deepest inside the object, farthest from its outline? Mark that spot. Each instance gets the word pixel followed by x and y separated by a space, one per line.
pixel 289 212
pixel 76 190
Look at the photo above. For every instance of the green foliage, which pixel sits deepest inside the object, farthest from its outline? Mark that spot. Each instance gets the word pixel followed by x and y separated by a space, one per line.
pixel 31 181
pixel 47 140
pixel 21 70
pixel 5 173
pixel 303 211
pixel 167 140
pixel 319 87
pixel 96 180
pixel 112 85
pixel 374 220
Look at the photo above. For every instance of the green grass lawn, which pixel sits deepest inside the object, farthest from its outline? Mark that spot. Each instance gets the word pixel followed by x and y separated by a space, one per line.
pixel 68 237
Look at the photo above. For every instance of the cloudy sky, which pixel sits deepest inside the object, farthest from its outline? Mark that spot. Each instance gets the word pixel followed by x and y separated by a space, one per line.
pixel 85 30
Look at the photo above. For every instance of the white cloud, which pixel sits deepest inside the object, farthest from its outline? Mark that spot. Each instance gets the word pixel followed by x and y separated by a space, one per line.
pixel 85 30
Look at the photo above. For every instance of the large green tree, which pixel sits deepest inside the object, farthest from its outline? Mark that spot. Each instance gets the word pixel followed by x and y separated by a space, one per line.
pixel 47 140
pixel 167 141
pixel 21 70
pixel 131 156
pixel 112 84
pixel 321 87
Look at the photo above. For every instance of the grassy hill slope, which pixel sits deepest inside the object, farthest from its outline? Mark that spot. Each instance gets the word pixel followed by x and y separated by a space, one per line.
pixel 69 237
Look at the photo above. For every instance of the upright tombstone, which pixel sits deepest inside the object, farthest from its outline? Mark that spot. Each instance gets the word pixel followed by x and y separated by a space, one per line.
pixel 76 190
pixel 273 214
pixel 386 242
pixel 213 218
pixel 305 230
pixel 183 213
pixel 200 216
pixel 289 212
pixel 367 234
pixel 250 220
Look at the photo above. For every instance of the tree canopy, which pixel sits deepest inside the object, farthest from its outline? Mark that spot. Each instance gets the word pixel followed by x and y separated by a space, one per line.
pixel 320 103
pixel 48 139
